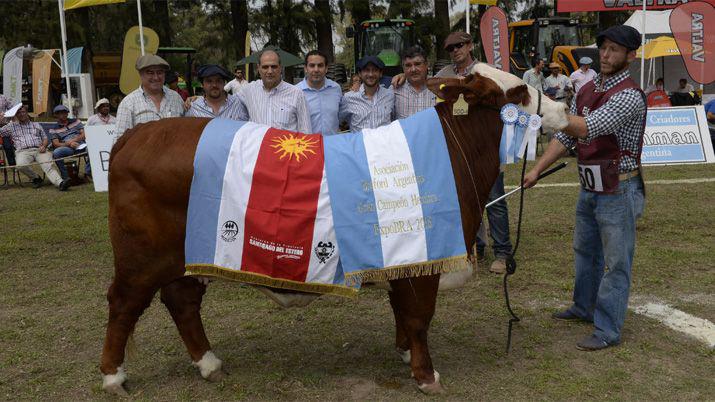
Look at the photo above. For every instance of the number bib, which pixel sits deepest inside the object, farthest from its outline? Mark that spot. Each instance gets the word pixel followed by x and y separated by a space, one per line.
pixel 599 176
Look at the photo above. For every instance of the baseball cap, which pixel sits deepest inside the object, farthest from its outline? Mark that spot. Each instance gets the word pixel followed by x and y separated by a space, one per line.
pixel 362 63
pixel 213 69
pixel 457 37
pixel 149 60
pixel 60 108
pixel 101 102
pixel 585 60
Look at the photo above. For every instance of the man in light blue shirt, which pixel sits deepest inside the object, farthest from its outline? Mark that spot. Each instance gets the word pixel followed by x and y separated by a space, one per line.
pixel 322 94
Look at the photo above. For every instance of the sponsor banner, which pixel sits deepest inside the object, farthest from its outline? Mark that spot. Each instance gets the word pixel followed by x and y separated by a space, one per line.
pixel 570 6
pixel 129 77
pixel 100 140
pixel 72 4
pixel 41 68
pixel 12 76
pixel 677 135
pixel 693 27
pixel 495 38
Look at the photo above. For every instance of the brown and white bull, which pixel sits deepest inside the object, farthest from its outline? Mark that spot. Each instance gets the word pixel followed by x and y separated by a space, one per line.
pixel 152 169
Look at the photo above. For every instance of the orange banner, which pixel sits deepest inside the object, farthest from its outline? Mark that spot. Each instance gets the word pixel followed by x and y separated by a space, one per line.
pixel 41 69
pixel 495 38
pixel 693 27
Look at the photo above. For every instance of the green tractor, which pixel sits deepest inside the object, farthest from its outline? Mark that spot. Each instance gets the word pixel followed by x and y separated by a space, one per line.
pixel 385 39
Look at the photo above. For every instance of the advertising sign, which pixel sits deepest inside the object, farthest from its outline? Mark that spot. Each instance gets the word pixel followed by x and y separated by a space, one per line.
pixel 495 38
pixel 677 135
pixel 100 140
pixel 693 27
pixel 569 6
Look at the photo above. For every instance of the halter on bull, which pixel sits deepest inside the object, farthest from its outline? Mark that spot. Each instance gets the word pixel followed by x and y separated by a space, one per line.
pixel 148 200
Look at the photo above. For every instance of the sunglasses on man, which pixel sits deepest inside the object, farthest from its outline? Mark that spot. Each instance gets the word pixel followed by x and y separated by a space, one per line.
pixel 451 48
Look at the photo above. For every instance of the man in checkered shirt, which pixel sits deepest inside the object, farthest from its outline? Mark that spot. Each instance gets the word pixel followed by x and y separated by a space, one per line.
pixel 31 146
pixel 606 126
pixel 413 96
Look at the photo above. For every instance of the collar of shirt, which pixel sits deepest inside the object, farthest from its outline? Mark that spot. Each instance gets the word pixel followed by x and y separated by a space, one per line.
pixel 466 70
pixel 146 95
pixel 610 82
pixel 278 88
pixel 376 95
pixel 328 83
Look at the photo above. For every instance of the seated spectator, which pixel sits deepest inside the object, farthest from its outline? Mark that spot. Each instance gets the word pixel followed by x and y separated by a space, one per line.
pixel 172 81
pixel 31 146
pixel 659 86
pixel 684 87
pixel 102 117
pixel 67 138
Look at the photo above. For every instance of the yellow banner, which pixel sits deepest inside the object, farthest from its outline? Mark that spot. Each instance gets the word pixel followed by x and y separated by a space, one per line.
pixel 484 2
pixel 129 77
pixel 72 4
pixel 41 68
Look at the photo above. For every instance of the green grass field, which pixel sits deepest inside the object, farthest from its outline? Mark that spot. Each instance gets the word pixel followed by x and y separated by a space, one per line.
pixel 56 264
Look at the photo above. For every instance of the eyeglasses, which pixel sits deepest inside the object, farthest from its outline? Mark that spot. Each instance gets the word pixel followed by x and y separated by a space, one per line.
pixel 451 48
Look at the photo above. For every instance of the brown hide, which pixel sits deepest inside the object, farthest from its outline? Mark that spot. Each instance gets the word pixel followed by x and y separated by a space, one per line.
pixel 149 182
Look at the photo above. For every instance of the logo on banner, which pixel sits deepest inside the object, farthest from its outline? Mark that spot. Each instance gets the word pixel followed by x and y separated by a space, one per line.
pixel 291 146
pixel 229 231
pixel 324 251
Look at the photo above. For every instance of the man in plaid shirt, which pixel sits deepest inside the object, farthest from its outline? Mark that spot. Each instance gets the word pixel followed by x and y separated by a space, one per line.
pixel 413 96
pixel 606 126
pixel 31 146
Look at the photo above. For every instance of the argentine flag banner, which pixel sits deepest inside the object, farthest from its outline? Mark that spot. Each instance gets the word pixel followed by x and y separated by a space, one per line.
pixel 323 214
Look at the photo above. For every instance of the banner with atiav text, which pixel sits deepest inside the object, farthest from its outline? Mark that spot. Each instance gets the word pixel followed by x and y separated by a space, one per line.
pixel 693 27
pixel 677 135
pixel 571 6
pixel 495 38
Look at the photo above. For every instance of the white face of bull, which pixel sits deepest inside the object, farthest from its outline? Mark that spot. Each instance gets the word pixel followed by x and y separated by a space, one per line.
pixel 553 113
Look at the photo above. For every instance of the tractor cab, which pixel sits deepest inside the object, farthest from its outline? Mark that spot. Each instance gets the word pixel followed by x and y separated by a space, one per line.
pixel 385 39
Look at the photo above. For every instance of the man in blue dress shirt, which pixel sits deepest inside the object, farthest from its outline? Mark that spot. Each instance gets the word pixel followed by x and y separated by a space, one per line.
pixel 322 94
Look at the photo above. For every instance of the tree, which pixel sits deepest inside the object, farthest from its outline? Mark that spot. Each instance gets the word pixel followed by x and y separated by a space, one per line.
pixel 324 28
pixel 441 26
pixel 239 21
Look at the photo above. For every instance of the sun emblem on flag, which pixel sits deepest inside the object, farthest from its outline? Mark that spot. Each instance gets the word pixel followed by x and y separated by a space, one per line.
pixel 291 145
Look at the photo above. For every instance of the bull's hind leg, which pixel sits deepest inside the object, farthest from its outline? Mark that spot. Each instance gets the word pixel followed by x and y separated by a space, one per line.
pixel 126 305
pixel 182 298
pixel 414 301
pixel 402 343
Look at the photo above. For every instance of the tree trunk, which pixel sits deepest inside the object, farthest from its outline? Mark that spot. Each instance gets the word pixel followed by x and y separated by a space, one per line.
pixel 239 19
pixel 324 29
pixel 441 16
pixel 360 10
pixel 161 21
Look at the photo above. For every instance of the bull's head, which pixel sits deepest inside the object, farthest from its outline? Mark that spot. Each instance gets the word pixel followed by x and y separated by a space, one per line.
pixel 476 89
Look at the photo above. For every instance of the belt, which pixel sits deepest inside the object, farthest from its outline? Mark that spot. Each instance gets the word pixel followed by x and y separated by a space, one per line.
pixel 629 175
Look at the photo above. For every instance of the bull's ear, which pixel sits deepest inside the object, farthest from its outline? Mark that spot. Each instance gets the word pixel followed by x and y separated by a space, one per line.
pixel 446 88
pixel 518 95
pixel 480 90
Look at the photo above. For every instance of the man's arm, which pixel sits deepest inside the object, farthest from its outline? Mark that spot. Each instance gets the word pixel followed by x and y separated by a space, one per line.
pixel 711 116
pixel 303 114
pixel 554 151
pixel 124 118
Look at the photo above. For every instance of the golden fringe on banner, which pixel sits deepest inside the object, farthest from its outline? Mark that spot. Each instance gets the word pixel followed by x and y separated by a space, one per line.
pixel 442 266
pixel 263 280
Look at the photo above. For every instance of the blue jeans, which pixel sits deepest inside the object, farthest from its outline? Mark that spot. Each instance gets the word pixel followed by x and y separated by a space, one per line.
pixel 605 236
pixel 63 152
pixel 498 216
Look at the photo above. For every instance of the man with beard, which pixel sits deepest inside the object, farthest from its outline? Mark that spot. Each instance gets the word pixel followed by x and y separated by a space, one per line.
pixel 606 125
pixel 372 106
pixel 152 100
pixel 322 94
pixel 414 95
pixel 215 102
pixel 459 46
pixel 273 101
pixel 67 138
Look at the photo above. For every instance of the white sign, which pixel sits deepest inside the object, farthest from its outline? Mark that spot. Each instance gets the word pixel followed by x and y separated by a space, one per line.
pixel 675 135
pixel 100 140
pixel 12 75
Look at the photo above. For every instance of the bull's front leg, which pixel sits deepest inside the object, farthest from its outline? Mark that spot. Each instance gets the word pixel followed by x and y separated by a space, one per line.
pixel 414 301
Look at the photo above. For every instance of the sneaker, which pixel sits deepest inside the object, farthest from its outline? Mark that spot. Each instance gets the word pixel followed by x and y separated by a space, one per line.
pixel 64 185
pixel 592 343
pixel 498 266
pixel 567 315
pixel 37 182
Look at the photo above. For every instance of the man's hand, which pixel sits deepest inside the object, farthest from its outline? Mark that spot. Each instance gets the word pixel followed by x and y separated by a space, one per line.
pixel 189 100
pixel 531 178
pixel 42 149
pixel 73 144
pixel 398 80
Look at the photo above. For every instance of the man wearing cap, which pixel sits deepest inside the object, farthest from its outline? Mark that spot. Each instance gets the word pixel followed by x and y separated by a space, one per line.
pixel 557 86
pixel 152 100
pixel 322 94
pixel 31 146
pixel 535 75
pixel 373 105
pixel 413 96
pixel 215 102
pixel 237 83
pixel 584 73
pixel 459 46
pixel 273 101
pixel 606 125
pixel 102 117
pixel 67 138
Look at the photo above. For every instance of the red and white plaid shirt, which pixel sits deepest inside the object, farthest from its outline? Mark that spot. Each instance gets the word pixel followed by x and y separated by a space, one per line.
pixel 24 135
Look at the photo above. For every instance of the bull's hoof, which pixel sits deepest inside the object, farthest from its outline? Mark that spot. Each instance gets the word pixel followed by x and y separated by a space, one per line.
pixel 434 388
pixel 405 355
pixel 114 383
pixel 210 367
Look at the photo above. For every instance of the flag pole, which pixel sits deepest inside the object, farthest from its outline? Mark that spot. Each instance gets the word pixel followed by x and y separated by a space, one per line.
pixel 643 44
pixel 141 26
pixel 468 6
pixel 61 4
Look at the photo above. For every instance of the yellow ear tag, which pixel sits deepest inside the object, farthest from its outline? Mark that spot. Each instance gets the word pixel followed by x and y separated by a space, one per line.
pixel 460 107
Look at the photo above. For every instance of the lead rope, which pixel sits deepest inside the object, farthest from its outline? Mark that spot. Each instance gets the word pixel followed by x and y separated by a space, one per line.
pixel 511 262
